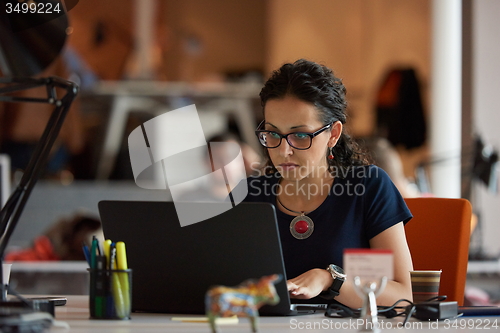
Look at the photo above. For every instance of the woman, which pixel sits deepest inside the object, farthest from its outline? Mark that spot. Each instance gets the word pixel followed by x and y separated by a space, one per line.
pixel 315 172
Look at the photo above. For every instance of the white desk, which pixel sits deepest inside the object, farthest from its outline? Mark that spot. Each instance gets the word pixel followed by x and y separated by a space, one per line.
pixel 226 98
pixel 484 267
pixel 485 275
pixel 69 277
pixel 76 315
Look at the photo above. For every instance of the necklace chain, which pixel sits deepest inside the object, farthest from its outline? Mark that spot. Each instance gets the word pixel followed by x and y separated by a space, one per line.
pixel 293 211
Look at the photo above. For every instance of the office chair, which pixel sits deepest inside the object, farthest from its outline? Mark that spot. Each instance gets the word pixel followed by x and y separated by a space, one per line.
pixel 438 237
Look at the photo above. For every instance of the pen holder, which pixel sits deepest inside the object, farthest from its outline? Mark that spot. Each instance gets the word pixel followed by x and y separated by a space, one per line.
pixel 110 294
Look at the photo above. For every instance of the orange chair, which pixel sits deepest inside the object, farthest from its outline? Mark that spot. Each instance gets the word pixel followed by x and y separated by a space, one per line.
pixel 438 237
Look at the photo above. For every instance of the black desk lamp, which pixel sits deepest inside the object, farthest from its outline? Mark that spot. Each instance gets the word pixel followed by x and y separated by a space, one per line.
pixel 29 42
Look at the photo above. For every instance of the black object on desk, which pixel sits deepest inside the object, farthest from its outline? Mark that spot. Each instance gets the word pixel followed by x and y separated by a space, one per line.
pixel 109 296
pixel 57 300
pixel 475 311
pixel 42 305
pixel 13 319
pixel 436 310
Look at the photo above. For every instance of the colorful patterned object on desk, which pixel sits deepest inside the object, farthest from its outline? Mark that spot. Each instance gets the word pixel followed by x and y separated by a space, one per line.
pixel 243 300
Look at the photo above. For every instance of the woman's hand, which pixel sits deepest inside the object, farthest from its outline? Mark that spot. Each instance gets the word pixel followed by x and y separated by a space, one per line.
pixel 309 284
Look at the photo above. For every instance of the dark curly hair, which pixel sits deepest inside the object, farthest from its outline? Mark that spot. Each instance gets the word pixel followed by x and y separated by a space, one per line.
pixel 315 84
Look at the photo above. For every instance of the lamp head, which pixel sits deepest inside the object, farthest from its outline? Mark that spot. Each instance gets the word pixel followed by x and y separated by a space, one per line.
pixel 29 42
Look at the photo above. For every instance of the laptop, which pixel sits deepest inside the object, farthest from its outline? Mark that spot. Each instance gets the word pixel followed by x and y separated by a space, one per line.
pixel 174 266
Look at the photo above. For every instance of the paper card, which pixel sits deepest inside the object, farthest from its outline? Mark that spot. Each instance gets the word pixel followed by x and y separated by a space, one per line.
pixel 369 264
pixel 199 319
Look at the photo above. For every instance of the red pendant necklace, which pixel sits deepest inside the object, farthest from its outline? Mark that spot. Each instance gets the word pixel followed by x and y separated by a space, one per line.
pixel 301 226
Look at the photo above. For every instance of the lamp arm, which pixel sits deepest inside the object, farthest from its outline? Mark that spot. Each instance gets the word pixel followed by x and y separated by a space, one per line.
pixel 11 212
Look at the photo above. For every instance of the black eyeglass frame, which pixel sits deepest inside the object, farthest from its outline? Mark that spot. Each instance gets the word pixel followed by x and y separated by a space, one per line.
pixel 285 136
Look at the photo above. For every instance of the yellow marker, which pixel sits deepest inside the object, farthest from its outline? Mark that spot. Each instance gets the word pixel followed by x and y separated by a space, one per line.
pixel 121 258
pixel 117 289
pixel 121 255
pixel 106 247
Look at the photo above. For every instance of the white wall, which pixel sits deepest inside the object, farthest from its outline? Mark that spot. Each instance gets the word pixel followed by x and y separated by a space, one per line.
pixel 486 108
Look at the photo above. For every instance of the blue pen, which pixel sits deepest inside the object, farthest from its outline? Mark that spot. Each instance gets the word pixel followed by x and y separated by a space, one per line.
pixel 86 253
pixel 93 253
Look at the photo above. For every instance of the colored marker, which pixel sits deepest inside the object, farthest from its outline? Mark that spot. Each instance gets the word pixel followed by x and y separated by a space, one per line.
pixel 116 286
pixel 106 247
pixel 121 256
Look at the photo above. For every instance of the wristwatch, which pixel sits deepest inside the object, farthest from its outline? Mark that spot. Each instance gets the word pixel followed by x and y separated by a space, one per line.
pixel 338 276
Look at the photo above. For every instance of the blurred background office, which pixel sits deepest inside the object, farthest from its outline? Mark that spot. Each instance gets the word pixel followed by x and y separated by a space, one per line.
pixel 420 116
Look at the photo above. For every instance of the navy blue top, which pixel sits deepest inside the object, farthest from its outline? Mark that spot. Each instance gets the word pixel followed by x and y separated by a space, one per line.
pixel 361 204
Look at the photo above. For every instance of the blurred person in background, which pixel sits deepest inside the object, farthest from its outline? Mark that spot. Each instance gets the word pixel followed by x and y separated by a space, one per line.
pixel 385 156
pixel 216 190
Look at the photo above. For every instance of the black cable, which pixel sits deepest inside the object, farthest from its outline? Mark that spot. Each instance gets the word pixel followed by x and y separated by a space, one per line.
pixel 438 298
pixel 410 310
pixel 336 310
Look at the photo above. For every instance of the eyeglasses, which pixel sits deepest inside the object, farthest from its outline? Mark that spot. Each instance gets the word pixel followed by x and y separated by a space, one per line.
pixel 297 140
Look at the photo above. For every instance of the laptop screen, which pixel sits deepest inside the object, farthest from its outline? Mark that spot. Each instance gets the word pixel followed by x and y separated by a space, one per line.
pixel 174 266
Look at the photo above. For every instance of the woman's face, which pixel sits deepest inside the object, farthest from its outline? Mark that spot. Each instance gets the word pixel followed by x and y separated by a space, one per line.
pixel 290 114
